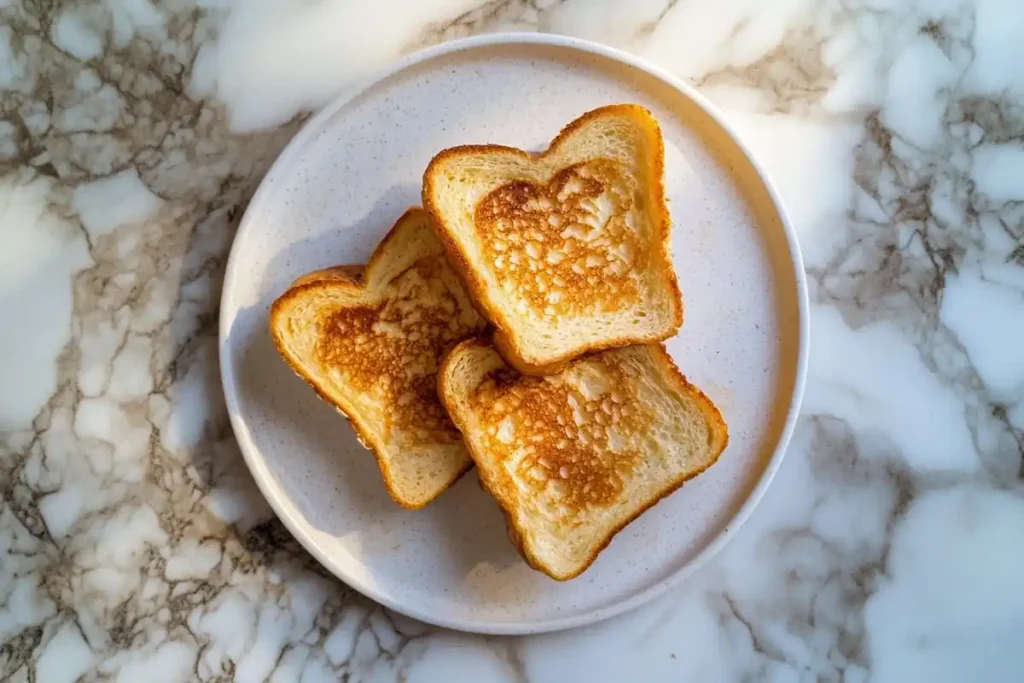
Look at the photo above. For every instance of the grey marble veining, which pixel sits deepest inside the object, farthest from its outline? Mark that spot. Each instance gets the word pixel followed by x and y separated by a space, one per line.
pixel 133 544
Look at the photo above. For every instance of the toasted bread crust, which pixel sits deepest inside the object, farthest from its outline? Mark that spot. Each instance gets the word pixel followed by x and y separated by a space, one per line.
pixel 349 274
pixel 353 278
pixel 519 535
pixel 514 354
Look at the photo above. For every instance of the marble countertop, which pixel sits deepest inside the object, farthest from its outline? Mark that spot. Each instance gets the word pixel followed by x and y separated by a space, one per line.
pixel 133 543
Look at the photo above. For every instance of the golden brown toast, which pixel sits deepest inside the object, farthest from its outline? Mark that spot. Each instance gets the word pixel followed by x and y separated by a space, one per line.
pixel 567 251
pixel 369 341
pixel 574 457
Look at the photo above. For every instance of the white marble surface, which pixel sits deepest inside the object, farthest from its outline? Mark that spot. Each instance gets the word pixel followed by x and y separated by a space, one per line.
pixel 133 545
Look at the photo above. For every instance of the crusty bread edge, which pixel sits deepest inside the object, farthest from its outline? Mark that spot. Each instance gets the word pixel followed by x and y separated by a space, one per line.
pixel 349 274
pixel 719 431
pixel 477 289
pixel 355 279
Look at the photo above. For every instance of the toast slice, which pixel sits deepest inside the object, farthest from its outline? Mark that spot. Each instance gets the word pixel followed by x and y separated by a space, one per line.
pixel 567 251
pixel 369 341
pixel 574 457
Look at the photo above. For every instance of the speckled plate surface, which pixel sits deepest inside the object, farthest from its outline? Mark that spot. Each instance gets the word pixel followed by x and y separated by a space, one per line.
pixel 341 184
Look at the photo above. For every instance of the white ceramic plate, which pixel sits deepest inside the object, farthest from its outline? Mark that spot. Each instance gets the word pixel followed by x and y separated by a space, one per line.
pixel 332 195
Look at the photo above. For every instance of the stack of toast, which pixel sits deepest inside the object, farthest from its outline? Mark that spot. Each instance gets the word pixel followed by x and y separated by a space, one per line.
pixel 514 324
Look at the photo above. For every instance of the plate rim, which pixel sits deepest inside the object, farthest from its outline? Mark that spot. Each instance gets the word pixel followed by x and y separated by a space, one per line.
pixel 274 494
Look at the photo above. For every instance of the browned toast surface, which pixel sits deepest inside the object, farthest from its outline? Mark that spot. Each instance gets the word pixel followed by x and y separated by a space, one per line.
pixel 539 239
pixel 567 251
pixel 574 457
pixel 369 340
